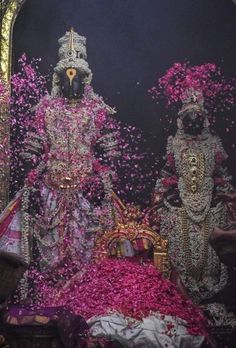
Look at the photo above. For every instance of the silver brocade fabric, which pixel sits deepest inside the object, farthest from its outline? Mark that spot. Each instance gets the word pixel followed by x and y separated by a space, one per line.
pixel 198 206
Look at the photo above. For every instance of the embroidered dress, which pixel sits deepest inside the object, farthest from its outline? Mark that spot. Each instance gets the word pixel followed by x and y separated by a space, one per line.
pixel 192 177
pixel 51 219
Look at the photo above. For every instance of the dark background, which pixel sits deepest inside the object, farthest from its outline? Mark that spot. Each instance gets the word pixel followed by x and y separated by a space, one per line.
pixel 130 43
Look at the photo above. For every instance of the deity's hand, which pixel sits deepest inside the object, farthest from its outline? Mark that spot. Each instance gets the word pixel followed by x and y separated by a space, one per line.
pixel 223 240
pixel 173 198
pixel 176 279
pixel 230 200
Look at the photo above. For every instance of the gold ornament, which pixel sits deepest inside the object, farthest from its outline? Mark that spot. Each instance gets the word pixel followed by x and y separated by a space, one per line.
pixel 129 228
pixel 193 170
pixel 197 270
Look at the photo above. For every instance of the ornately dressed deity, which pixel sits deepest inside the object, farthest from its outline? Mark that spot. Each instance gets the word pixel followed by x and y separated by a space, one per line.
pixel 189 204
pixel 52 217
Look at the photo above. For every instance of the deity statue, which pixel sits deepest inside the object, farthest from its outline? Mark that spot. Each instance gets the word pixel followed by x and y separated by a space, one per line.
pixel 54 218
pixel 188 198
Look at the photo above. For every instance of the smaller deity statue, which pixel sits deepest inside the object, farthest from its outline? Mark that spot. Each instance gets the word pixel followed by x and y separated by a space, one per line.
pixel 188 198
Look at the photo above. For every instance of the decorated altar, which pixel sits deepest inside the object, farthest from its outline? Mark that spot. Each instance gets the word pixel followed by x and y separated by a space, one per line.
pixel 102 244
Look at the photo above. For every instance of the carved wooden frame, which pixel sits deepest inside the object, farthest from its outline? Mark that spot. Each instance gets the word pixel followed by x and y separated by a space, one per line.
pixel 9 12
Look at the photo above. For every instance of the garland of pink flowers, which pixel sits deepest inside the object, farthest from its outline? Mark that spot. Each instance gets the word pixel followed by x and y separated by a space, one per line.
pixel 219 94
pixel 120 285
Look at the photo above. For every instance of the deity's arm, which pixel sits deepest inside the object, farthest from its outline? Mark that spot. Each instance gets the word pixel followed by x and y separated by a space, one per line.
pixel 108 140
pixel 221 177
pixel 108 144
pixel 106 131
pixel 167 184
pixel 35 142
pixel 33 147
pixel 97 137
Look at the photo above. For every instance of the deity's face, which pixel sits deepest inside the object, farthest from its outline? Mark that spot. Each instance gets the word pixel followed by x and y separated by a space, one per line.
pixel 72 83
pixel 193 123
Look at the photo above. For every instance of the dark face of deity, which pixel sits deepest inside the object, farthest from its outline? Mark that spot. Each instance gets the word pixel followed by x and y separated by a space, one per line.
pixel 72 83
pixel 193 123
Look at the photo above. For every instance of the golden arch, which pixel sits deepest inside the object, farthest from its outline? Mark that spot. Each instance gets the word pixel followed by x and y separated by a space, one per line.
pixel 9 12
pixel 132 231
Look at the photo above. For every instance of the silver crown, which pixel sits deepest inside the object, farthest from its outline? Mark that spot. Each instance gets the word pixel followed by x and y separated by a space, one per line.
pixel 72 45
pixel 72 54
pixel 193 101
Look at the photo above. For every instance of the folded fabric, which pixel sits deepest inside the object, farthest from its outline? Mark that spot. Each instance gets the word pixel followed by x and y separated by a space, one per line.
pixel 153 331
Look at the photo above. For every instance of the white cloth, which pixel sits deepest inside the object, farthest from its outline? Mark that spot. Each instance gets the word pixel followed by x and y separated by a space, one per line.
pixel 151 332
